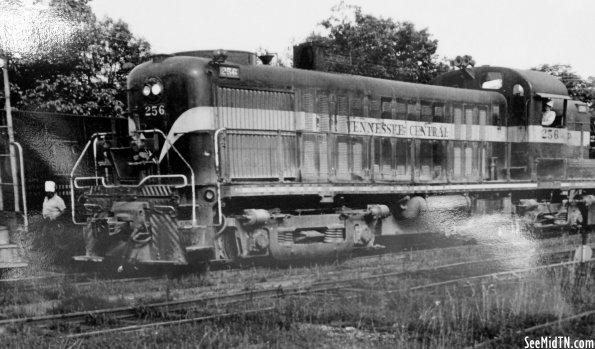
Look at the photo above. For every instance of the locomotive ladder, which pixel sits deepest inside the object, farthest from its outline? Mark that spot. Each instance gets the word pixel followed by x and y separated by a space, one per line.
pixel 11 200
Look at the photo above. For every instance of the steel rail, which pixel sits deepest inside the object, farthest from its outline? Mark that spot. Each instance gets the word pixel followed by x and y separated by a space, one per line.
pixel 131 311
pixel 535 328
pixel 458 280
pixel 134 328
pixel 498 274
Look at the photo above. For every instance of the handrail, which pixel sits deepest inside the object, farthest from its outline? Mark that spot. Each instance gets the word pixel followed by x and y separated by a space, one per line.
pixel 193 189
pixel 217 170
pixel 77 186
pixel 95 157
pixel 23 189
pixel 74 182
pixel 76 164
pixel 106 185
pixel 166 176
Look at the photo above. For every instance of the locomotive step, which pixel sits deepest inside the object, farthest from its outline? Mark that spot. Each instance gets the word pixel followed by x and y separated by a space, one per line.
pixel 98 259
pixel 95 259
pixel 198 248
pixel 9 257
pixel 4 236
pixel 9 265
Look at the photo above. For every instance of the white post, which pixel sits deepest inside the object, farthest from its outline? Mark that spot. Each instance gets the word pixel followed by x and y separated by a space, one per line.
pixel 13 162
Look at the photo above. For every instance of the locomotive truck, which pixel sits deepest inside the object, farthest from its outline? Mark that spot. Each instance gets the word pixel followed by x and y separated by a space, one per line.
pixel 228 160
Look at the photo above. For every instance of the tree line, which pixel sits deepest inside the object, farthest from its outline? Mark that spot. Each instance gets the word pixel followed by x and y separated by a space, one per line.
pixel 75 63
pixel 85 72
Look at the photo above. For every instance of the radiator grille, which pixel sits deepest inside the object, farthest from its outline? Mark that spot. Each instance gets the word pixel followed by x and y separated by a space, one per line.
pixel 343 159
pixel 315 158
pixel 261 155
pixel 253 109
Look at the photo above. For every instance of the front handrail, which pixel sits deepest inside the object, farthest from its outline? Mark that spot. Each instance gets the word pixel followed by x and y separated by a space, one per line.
pixel 75 182
pixel 23 189
pixel 76 165
pixel 77 179
pixel 141 183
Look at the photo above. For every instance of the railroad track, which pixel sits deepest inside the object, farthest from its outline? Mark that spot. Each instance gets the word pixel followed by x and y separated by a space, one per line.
pixel 83 281
pixel 192 309
pixel 186 307
pixel 545 325
pixel 47 283
pixel 497 276
pixel 413 259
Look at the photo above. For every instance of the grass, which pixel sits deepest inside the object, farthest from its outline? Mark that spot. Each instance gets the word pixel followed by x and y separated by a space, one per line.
pixel 451 317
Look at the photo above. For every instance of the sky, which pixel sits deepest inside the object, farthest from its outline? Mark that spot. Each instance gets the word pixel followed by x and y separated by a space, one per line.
pixel 512 33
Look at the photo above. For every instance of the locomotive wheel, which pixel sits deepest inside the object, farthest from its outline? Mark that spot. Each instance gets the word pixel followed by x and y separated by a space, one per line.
pixel 413 208
pixel 229 244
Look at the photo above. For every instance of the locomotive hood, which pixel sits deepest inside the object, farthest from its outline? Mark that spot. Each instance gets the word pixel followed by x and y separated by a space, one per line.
pixel 195 119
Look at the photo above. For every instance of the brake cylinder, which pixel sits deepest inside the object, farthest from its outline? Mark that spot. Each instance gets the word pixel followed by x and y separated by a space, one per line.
pixel 256 217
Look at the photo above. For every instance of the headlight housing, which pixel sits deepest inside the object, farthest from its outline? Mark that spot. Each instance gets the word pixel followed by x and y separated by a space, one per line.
pixel 153 89
pixel 156 89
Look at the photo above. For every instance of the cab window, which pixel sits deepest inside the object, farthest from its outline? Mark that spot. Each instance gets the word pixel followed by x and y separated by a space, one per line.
pixel 492 81
pixel 518 102
pixel 552 112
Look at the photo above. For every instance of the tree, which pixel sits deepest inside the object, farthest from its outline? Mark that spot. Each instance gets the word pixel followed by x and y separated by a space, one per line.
pixel 578 88
pixel 80 69
pixel 366 45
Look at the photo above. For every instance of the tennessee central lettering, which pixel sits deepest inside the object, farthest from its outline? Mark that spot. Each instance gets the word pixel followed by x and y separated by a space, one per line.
pixel 428 131
pixel 398 128
pixel 377 128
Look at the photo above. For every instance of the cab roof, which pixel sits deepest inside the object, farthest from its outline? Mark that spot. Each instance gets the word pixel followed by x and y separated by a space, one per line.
pixel 539 83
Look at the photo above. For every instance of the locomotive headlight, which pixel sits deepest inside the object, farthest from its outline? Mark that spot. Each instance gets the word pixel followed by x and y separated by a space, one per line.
pixel 156 89
pixel 153 89
pixel 209 195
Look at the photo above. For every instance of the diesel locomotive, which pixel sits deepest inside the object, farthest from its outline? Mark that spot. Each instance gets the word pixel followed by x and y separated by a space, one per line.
pixel 226 160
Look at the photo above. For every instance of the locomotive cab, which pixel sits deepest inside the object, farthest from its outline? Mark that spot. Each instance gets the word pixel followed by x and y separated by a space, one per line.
pixel 527 92
pixel 538 138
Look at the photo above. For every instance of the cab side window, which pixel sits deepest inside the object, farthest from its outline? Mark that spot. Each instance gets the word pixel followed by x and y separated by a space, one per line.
pixel 492 81
pixel 518 102
pixel 552 112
